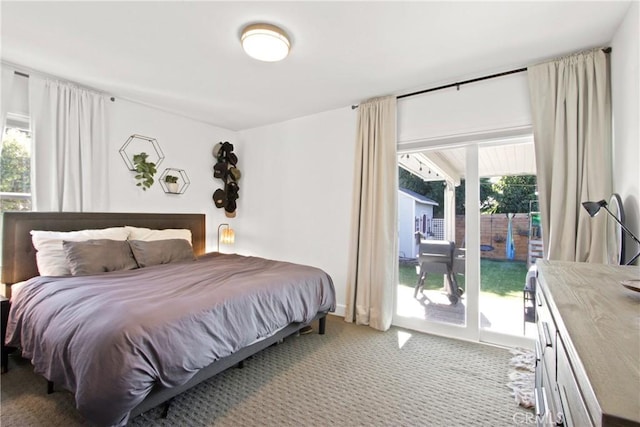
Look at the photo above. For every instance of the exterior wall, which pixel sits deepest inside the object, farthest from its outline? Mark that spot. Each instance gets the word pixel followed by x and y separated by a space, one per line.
pixel 410 213
pixel 424 210
pixel 493 231
pixel 406 226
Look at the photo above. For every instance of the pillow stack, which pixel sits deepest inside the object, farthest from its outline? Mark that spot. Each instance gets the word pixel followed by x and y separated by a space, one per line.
pixel 50 255
pixel 111 249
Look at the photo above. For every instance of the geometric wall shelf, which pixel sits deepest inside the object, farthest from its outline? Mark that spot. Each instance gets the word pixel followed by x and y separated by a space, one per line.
pixel 137 144
pixel 182 184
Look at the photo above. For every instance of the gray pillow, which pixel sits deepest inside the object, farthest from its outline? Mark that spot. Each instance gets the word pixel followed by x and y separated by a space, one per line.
pixel 161 251
pixel 98 255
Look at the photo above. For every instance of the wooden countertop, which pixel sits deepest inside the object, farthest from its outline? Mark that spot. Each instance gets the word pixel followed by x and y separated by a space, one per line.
pixel 599 323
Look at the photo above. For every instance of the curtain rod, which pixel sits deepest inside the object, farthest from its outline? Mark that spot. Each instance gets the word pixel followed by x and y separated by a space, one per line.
pixel 26 75
pixel 458 84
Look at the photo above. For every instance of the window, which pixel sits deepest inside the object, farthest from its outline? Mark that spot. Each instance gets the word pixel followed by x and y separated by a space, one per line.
pixel 15 165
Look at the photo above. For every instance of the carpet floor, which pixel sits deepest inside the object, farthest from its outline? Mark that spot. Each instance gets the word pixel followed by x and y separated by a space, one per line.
pixel 352 376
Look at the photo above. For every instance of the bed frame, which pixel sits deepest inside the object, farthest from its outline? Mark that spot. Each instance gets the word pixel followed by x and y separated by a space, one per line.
pixel 19 264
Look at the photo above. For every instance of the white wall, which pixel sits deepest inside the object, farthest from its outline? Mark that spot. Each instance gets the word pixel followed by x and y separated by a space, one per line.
pixel 296 193
pixel 500 104
pixel 625 85
pixel 296 190
pixel 186 144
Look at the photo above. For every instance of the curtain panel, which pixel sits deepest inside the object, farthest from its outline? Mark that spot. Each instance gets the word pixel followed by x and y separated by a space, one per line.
pixel 571 109
pixel 373 263
pixel 70 152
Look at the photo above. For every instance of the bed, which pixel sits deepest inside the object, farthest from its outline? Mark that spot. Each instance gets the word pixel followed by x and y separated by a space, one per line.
pixel 126 341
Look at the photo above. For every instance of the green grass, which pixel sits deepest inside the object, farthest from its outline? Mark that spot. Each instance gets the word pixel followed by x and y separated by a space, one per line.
pixel 504 278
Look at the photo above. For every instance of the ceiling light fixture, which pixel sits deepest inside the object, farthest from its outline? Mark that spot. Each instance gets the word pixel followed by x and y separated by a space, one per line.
pixel 265 42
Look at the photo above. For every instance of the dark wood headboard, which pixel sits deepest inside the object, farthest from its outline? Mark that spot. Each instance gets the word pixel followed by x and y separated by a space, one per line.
pixel 19 255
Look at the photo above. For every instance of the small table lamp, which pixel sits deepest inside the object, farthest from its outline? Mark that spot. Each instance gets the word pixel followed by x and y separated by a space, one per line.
pixel 227 237
pixel 594 207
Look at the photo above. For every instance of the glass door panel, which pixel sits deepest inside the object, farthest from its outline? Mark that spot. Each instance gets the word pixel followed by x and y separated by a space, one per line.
pixel 508 230
pixel 431 295
pixel 474 211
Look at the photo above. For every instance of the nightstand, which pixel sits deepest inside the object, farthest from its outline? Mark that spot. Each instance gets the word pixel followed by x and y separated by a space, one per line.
pixel 4 302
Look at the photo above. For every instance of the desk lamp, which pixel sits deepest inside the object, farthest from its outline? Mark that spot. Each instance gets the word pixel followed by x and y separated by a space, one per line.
pixel 594 207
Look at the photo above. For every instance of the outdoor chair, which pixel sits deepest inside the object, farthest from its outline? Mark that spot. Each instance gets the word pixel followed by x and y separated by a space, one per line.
pixel 440 257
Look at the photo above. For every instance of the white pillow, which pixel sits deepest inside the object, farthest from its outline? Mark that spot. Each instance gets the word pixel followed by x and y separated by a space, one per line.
pixel 149 235
pixel 50 255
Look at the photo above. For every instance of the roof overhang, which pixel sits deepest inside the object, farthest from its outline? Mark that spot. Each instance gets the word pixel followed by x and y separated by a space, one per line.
pixel 449 164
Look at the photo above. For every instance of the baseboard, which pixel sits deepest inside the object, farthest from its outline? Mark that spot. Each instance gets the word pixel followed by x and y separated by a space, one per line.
pixel 341 309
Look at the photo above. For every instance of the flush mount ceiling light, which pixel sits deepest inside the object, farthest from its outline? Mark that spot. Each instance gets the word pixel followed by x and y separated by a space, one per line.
pixel 265 42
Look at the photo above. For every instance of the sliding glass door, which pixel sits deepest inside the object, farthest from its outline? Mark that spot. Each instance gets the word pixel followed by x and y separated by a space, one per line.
pixel 462 267
pixel 433 293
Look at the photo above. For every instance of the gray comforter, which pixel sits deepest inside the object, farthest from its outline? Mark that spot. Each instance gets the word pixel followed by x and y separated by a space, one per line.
pixel 109 338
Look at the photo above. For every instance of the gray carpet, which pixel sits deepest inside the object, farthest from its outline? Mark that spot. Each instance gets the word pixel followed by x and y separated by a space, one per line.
pixel 352 376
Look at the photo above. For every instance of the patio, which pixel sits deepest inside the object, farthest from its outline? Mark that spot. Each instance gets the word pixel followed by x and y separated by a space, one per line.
pixel 498 313
pixel 502 272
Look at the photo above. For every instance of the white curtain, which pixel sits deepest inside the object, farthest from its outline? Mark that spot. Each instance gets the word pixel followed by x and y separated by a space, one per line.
pixel 70 152
pixel 373 263
pixel 571 106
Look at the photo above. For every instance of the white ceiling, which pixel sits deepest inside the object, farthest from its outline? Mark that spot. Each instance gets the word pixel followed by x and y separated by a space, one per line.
pixel 186 56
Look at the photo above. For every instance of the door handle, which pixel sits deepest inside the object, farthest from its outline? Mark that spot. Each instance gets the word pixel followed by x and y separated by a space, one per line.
pixel 547 335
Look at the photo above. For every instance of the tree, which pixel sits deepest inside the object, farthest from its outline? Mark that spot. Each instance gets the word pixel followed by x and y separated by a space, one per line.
pixel 15 169
pixel 510 194
pixel 513 193
pixel 431 189
pixel 435 191
pixel 486 196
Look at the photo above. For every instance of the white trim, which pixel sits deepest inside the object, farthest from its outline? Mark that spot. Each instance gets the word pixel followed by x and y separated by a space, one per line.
pixel 13 196
pixel 443 329
pixel 512 135
pixel 490 338
pixel 506 340
pixel 472 239
pixel 341 310
pixel 23 119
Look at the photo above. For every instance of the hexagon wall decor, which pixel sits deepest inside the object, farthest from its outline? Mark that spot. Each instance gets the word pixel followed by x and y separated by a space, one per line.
pixel 183 181
pixel 141 144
